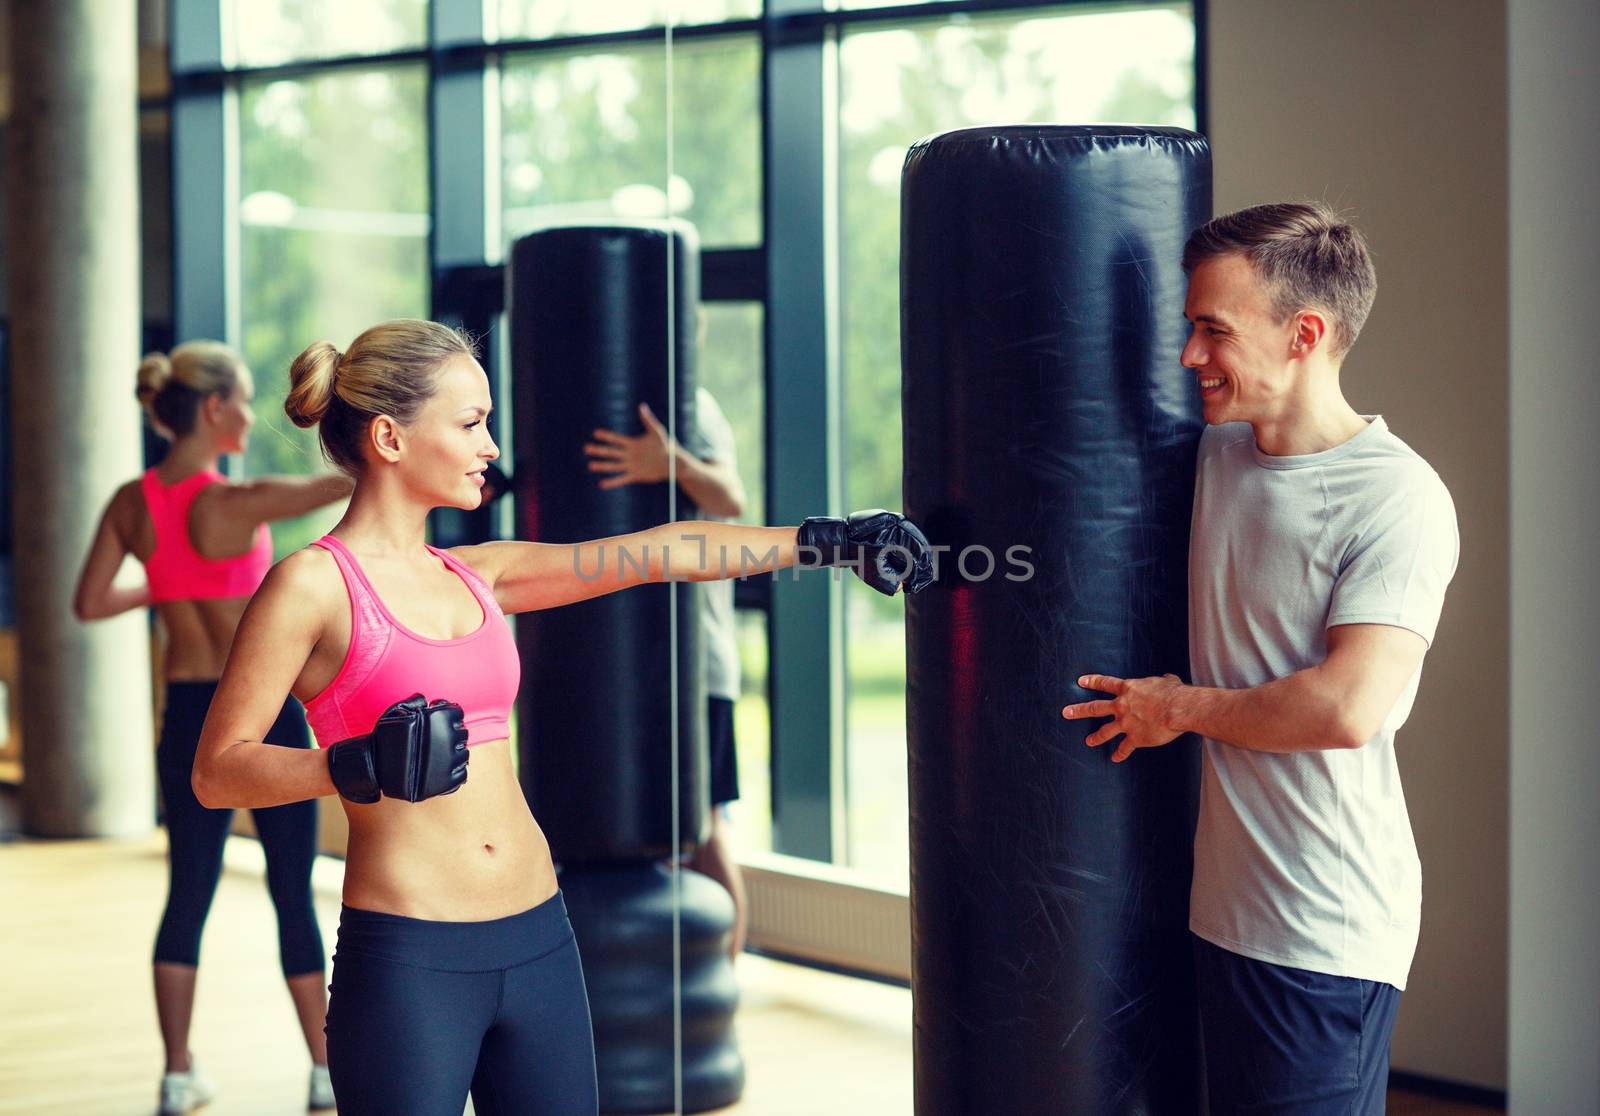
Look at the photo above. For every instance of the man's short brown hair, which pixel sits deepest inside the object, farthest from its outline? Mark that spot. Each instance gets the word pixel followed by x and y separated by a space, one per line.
pixel 1306 256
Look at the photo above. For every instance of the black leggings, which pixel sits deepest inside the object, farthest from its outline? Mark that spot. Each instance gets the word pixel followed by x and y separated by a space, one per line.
pixel 422 1012
pixel 196 835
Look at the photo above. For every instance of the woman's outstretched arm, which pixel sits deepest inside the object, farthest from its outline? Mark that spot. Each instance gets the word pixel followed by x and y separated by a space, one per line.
pixel 528 576
pixel 884 549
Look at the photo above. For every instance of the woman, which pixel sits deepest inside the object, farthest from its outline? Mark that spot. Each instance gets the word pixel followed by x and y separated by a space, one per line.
pixel 205 547
pixel 455 969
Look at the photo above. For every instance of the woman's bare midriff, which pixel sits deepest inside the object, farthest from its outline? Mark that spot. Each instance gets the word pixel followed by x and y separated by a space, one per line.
pixel 470 856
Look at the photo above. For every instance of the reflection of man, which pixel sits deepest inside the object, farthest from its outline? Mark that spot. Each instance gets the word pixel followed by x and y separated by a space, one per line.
pixel 712 482
pixel 1321 547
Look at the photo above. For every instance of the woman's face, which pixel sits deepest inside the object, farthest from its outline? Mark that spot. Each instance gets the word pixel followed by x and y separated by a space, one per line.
pixel 232 416
pixel 448 443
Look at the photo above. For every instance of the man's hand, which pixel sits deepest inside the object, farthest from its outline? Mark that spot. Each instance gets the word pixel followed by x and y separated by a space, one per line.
pixel 1141 712
pixel 636 459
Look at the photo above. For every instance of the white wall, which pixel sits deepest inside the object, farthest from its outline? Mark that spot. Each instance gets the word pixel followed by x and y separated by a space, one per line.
pixel 1555 540
pixel 1397 111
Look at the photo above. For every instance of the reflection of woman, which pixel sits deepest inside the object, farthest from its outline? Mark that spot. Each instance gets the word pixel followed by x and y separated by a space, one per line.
pixel 205 547
pixel 455 969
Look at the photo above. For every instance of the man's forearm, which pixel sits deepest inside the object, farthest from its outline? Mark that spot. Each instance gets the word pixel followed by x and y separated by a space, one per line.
pixel 713 487
pixel 1302 712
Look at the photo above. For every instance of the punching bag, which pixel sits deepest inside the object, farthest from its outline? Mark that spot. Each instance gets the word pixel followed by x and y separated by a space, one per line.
pixel 589 335
pixel 593 321
pixel 1049 442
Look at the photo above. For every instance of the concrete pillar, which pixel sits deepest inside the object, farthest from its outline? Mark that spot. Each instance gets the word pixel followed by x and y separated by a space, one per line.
pixel 73 236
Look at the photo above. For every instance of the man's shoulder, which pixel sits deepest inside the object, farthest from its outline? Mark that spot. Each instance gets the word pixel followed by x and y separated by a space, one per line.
pixel 706 404
pixel 1398 467
pixel 716 433
pixel 1389 488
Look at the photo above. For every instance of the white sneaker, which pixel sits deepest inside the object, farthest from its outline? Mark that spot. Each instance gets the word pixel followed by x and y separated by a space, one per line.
pixel 321 1088
pixel 182 1092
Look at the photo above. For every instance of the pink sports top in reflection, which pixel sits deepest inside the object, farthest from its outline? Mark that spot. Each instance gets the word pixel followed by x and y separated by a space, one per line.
pixel 387 662
pixel 179 572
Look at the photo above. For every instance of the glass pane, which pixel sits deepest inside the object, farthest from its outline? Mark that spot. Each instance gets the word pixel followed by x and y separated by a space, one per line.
pixel 544 19
pixel 898 85
pixel 585 138
pixel 266 32
pixel 333 214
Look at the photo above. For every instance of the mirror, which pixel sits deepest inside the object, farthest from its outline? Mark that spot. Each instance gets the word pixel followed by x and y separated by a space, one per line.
pixel 601 280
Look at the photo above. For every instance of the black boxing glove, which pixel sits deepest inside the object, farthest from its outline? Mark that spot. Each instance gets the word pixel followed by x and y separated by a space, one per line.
pixel 416 750
pixel 350 764
pixel 886 550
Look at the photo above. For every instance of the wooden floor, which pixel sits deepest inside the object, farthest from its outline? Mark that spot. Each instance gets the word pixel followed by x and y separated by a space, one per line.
pixel 77 1024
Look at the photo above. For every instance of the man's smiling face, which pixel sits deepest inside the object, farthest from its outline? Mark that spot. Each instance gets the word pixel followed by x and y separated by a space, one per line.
pixel 1237 346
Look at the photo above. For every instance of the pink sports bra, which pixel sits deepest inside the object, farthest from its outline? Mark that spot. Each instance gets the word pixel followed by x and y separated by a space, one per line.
pixel 179 572
pixel 387 662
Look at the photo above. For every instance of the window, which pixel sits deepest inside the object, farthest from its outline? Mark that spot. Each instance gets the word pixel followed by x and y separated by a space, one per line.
pixel 585 137
pixel 333 214
pixel 543 19
pixel 268 32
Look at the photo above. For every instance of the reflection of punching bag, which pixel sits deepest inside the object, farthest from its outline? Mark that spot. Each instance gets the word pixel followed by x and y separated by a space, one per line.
pixel 590 317
pixel 589 344
pixel 1045 407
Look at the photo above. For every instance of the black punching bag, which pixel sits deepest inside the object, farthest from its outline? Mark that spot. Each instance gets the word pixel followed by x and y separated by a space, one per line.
pixel 593 318
pixel 589 336
pixel 1045 408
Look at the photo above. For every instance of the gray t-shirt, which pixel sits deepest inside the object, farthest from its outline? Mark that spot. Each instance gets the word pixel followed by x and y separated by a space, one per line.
pixel 716 597
pixel 1307 859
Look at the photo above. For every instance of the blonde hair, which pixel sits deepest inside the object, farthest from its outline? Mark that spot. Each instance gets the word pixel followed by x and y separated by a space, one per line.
pixel 388 370
pixel 1306 255
pixel 172 386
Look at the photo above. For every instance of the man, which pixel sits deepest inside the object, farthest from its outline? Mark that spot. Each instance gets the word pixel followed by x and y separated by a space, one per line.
pixel 1320 550
pixel 712 482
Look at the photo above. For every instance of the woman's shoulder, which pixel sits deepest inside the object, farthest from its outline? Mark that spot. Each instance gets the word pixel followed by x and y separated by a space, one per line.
pixel 309 574
pixel 126 505
pixel 483 560
pixel 129 493
pixel 214 490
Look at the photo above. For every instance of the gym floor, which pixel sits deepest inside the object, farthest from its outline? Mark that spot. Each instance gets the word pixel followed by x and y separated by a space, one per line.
pixel 78 1035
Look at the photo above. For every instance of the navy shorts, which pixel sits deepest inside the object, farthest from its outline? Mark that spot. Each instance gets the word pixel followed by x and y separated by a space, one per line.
pixel 724 755
pixel 1288 1042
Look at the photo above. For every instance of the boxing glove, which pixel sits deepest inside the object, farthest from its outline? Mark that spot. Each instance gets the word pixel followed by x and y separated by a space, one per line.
pixel 886 550
pixel 416 750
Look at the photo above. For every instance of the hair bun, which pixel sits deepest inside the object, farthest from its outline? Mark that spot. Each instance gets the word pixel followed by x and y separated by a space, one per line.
pixel 311 383
pixel 154 372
